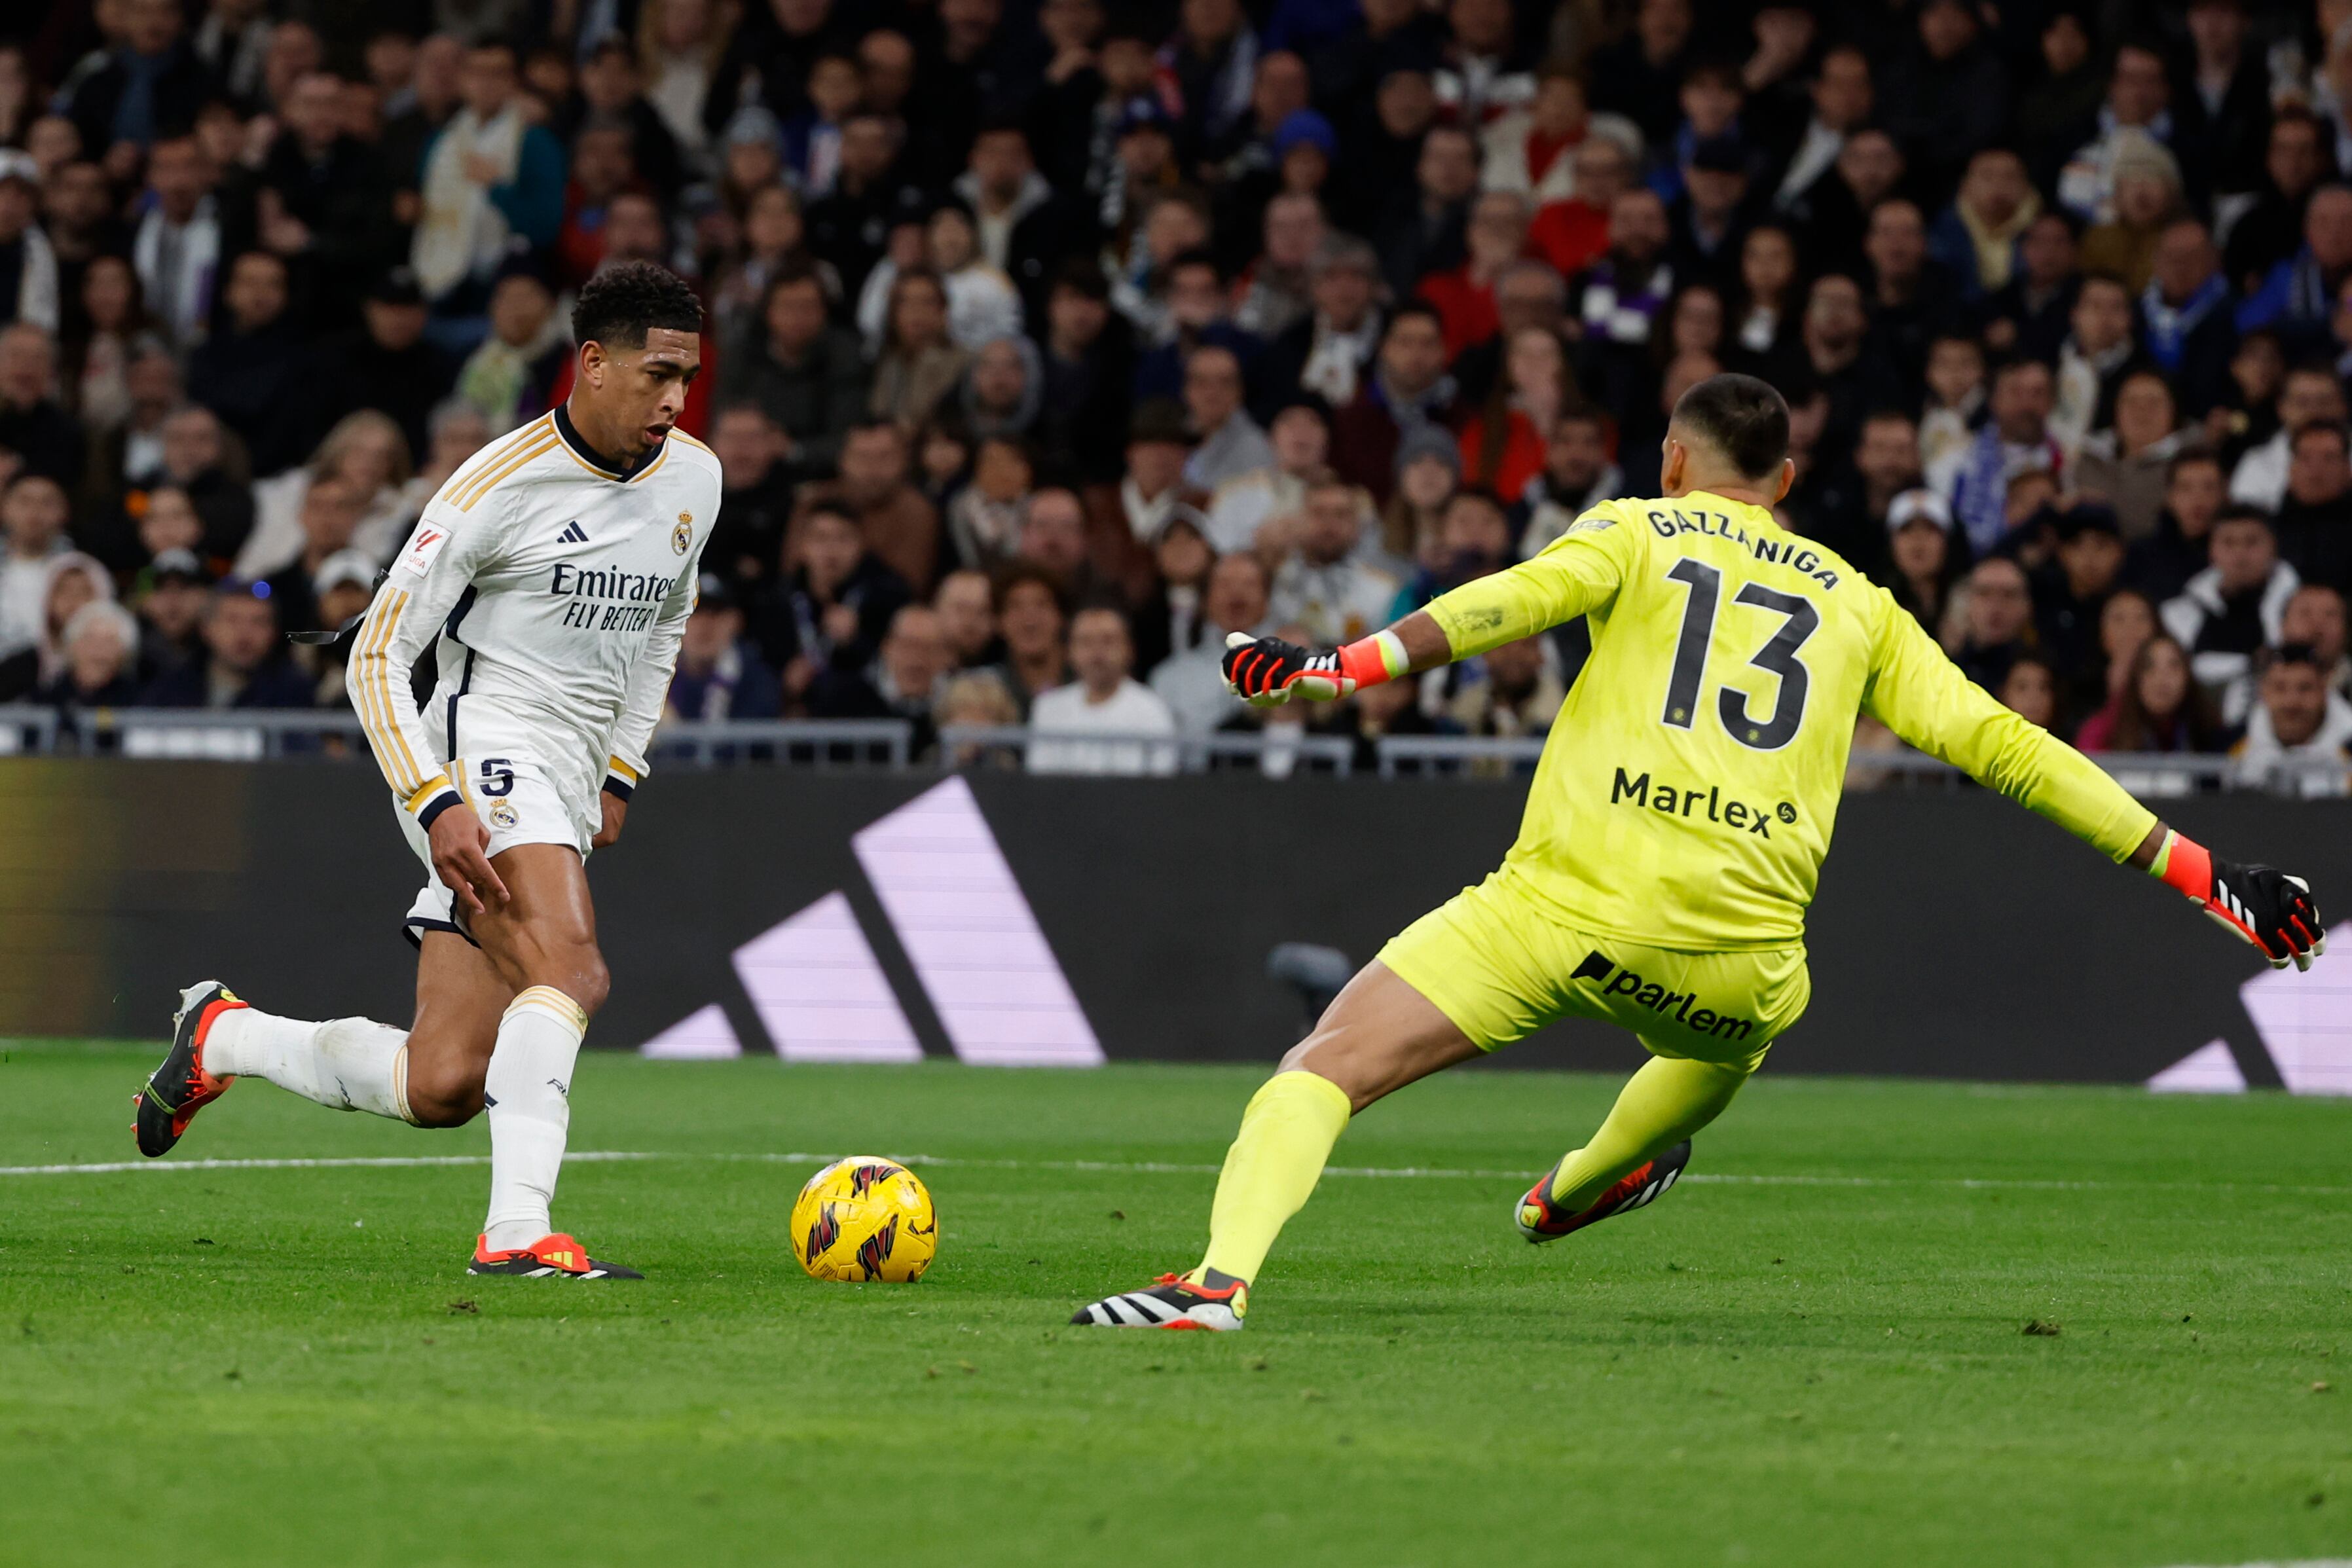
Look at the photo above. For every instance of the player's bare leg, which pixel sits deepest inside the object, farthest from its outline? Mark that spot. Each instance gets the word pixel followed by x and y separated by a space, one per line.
pixel 1378 1035
pixel 539 940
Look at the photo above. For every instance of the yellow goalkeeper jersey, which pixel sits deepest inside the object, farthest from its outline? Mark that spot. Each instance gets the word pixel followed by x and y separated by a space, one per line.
pixel 1689 788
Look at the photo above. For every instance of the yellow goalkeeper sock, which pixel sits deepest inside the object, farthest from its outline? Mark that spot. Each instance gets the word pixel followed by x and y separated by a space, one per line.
pixel 1663 1104
pixel 1271 1170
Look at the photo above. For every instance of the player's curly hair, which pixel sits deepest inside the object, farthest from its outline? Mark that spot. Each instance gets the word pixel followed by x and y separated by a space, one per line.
pixel 621 304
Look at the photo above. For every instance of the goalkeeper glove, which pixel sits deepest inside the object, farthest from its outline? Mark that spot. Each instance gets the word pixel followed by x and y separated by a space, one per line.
pixel 1268 672
pixel 2269 908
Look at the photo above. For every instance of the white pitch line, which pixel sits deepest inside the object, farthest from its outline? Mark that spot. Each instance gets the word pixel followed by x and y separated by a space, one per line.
pixel 1163 1167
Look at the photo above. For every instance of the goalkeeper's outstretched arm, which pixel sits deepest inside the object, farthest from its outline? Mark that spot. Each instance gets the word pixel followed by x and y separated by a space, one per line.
pixel 1922 696
pixel 1578 572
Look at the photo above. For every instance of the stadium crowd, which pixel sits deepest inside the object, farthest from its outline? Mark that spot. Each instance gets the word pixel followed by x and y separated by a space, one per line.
pixel 1050 341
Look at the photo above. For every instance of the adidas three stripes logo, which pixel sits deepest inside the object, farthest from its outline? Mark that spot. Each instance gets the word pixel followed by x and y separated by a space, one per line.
pixel 573 534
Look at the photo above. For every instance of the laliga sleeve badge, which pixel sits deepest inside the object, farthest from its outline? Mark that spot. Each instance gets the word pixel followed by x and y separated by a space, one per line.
pixel 681 537
pixel 503 814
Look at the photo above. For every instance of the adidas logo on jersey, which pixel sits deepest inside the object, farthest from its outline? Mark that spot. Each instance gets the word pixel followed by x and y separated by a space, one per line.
pixel 573 534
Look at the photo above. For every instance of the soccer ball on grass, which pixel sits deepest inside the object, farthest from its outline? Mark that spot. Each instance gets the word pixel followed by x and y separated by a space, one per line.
pixel 864 1218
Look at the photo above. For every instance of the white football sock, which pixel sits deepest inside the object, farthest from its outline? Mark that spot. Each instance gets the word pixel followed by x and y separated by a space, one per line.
pixel 527 1093
pixel 349 1064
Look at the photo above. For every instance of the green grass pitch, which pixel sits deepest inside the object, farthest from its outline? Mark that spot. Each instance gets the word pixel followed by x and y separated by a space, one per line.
pixel 1815 1352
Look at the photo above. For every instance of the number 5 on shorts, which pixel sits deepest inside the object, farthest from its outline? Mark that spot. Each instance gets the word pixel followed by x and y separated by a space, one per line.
pixel 497 777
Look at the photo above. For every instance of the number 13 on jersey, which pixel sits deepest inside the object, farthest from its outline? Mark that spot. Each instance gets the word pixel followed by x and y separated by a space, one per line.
pixel 1777 657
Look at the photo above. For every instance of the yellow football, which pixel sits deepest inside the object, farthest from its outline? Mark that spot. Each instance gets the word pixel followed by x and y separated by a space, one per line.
pixel 864 1218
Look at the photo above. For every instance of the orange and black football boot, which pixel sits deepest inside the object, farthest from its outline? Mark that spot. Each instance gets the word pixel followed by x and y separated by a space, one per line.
pixel 181 1087
pixel 1539 1221
pixel 556 1257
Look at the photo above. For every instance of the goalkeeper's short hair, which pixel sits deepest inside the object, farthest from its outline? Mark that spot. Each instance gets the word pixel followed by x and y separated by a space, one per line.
pixel 1741 417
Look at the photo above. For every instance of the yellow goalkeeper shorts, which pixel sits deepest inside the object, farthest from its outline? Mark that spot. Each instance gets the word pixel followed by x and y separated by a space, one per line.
pixel 1501 965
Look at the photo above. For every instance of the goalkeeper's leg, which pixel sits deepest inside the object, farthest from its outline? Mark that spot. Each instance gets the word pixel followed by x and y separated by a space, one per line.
pixel 1663 1104
pixel 1378 1035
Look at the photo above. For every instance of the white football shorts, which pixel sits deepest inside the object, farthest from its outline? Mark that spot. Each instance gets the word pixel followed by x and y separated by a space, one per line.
pixel 520 804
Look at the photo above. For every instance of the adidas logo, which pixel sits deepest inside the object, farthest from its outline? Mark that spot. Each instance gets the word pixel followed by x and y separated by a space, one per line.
pixel 2303 1032
pixel 573 534
pixel 821 994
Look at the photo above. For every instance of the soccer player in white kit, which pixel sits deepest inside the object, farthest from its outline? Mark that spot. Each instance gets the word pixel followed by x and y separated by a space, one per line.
pixel 553 574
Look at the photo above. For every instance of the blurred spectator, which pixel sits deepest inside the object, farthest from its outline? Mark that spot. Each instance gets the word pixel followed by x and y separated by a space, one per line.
pixel 1330 350
pixel 903 681
pixel 756 503
pixel 512 377
pixel 2070 592
pixel 1103 700
pixel 825 614
pixel 1976 236
pixel 719 674
pixel 1003 390
pixel 1229 443
pixel 1300 440
pixel 2233 608
pixel 2296 157
pixel 1192 679
pixel 2309 394
pixel 2015 439
pixel 387 364
pixel 151 85
pixel 1850 503
pixel 488 176
pixel 1322 586
pixel 43 437
pixel 1573 235
pixel 1530 150
pixel 2128 464
pixel 2029 690
pixel 986 519
pixel 1085 366
pixel 1577 472
pixel 2162 563
pixel 2157 709
pixel 806 374
pixel 329 516
pixel 2314 617
pixel 1920 550
pixel 899 527
pixel 2126 621
pixel 70 581
pixel 1428 473
pixel 2314 525
pixel 2146 197
pixel 1277 291
pixel 1422 229
pixel 2092 361
pixel 29 287
pixel 33 517
pixel 1408 388
pixel 343 587
pixel 1171 621
pixel 243 664
pixel 1031 618
pixel 2297 726
pixel 1504 444
pixel 256 372
pixel 1474 539
pixel 1520 694
pixel 2298 295
pixel 965 604
pixel 919 362
pixel 176 245
pixel 364 452
pixel 97 665
pixel 1496 236
pixel 1997 619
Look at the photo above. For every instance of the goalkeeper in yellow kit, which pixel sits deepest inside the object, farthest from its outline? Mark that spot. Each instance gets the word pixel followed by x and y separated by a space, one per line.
pixel 1674 834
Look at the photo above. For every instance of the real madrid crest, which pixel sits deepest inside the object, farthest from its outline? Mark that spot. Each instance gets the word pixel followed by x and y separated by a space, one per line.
pixel 503 814
pixel 682 536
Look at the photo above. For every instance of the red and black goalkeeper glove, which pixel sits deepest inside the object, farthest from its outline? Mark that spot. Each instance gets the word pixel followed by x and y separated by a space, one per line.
pixel 1268 672
pixel 2268 908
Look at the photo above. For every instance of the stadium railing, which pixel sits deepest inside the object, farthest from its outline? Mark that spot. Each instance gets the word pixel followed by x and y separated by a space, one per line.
pixel 27 730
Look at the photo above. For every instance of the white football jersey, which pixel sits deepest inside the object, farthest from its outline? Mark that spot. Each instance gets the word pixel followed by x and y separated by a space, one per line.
pixel 556 590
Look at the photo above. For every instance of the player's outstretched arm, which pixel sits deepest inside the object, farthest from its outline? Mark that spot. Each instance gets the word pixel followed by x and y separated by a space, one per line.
pixel 1577 572
pixel 1922 696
